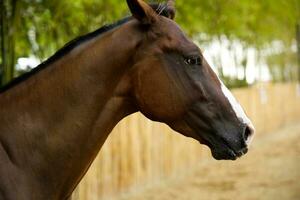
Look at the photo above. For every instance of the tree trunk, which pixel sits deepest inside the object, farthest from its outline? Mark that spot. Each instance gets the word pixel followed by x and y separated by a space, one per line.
pixel 2 39
pixel 219 60
pixel 298 45
pixel 9 17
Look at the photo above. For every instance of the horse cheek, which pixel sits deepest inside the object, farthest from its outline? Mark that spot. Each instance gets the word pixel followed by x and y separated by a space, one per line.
pixel 155 94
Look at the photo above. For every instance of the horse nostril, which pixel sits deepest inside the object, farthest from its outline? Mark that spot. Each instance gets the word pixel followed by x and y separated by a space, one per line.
pixel 248 134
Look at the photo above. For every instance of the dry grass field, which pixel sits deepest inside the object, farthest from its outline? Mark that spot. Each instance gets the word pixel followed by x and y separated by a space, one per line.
pixel 270 171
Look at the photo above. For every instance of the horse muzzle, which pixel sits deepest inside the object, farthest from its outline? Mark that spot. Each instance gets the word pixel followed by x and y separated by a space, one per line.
pixel 229 148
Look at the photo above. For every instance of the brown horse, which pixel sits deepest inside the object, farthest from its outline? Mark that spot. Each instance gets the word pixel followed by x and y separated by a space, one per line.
pixel 54 120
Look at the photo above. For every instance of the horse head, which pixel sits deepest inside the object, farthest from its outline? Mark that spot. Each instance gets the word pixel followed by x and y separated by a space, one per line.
pixel 174 84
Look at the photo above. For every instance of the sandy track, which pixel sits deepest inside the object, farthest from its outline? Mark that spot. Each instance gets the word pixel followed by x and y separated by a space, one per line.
pixel 270 171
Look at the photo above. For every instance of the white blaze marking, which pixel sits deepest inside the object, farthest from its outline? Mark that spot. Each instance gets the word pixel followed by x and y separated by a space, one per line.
pixel 240 113
pixel 237 108
pixel 235 105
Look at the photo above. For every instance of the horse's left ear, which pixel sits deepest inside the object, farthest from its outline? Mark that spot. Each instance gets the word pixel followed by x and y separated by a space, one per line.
pixel 142 11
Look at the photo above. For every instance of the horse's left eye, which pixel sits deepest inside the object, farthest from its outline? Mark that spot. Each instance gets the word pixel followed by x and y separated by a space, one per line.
pixel 193 60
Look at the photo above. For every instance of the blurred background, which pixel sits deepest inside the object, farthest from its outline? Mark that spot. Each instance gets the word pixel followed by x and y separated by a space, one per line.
pixel 253 45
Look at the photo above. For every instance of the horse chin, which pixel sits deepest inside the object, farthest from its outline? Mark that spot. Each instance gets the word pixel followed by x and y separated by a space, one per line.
pixel 224 153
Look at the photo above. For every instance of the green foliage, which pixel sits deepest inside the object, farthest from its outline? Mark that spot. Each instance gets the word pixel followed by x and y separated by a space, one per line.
pixel 281 66
pixel 234 82
pixel 41 27
pixel 49 24
pixel 252 21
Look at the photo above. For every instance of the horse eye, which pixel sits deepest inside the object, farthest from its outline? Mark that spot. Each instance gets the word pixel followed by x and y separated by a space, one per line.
pixel 193 60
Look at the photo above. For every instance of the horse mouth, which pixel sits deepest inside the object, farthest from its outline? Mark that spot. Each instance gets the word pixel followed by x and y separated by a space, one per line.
pixel 219 146
pixel 228 153
pixel 222 151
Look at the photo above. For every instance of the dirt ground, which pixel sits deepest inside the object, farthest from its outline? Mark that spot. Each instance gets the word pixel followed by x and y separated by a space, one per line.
pixel 270 171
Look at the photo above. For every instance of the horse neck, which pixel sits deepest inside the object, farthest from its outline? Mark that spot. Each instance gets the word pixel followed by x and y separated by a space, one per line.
pixel 53 125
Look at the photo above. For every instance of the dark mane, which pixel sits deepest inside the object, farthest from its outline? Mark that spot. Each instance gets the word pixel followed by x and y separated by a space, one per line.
pixel 160 8
pixel 63 51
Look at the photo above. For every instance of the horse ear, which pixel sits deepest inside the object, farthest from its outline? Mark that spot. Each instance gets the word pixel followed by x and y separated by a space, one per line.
pixel 171 8
pixel 168 10
pixel 142 11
